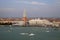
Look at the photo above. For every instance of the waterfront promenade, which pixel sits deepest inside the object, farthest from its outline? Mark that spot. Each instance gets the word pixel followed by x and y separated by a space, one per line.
pixel 40 22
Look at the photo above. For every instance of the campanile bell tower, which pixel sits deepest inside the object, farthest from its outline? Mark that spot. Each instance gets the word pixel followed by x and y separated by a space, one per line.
pixel 24 17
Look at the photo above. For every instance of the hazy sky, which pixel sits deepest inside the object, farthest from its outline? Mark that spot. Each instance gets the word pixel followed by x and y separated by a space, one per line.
pixel 34 8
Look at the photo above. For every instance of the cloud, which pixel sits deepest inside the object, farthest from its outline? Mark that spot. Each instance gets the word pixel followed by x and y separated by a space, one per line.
pixel 31 2
pixel 38 3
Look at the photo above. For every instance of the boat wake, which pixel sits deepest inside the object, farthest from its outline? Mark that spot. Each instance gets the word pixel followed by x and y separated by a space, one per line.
pixel 28 34
pixel 47 31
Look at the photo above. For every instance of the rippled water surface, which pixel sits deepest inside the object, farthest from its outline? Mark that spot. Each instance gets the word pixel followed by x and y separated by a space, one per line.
pixel 29 33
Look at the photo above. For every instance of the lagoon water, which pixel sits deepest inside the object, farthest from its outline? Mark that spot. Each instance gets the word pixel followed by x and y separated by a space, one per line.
pixel 29 33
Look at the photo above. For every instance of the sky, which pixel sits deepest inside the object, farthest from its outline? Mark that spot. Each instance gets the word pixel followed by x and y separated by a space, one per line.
pixel 34 8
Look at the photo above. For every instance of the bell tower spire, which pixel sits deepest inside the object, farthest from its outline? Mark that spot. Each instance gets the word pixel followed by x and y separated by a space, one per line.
pixel 24 13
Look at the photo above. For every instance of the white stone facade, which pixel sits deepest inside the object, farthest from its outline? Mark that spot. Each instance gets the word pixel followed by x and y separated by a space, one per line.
pixel 39 22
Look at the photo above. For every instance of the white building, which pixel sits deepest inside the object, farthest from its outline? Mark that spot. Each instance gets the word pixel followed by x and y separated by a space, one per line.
pixel 21 23
pixel 57 24
pixel 39 22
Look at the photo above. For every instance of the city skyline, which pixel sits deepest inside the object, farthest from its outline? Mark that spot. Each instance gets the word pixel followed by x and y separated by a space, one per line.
pixel 34 8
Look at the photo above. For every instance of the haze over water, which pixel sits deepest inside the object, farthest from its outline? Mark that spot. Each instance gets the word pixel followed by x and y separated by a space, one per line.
pixel 29 33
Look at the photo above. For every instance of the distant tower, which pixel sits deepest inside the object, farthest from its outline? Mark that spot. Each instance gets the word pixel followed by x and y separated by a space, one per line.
pixel 24 17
